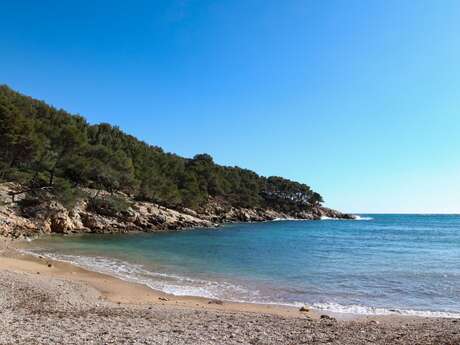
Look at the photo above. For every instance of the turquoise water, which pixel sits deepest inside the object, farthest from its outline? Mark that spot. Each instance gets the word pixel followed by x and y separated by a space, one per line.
pixel 379 265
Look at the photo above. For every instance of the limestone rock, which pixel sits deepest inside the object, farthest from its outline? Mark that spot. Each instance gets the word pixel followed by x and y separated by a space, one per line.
pixel 38 217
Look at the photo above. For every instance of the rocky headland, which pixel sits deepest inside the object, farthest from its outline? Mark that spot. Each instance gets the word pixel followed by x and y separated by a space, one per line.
pixel 21 217
pixel 61 174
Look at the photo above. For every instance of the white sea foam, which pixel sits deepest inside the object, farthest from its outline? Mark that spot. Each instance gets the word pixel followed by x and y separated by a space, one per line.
pixel 184 286
pixel 322 218
pixel 286 220
pixel 169 283
pixel 363 310
pixel 362 218
pixel 356 218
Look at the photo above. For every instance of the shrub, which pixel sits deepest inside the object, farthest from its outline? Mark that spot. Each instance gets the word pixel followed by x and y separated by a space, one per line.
pixel 112 205
pixel 67 195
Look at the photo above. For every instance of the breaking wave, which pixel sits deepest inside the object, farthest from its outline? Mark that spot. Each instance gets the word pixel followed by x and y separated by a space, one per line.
pixel 363 310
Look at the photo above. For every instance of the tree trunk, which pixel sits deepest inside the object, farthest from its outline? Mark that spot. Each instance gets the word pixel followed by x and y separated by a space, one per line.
pixel 51 180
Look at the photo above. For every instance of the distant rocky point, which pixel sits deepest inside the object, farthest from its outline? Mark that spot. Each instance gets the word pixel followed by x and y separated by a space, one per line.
pixel 100 212
pixel 61 174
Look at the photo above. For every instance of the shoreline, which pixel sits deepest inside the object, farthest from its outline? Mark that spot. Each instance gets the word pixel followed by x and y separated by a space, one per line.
pixel 118 290
pixel 288 310
pixel 77 306
pixel 124 289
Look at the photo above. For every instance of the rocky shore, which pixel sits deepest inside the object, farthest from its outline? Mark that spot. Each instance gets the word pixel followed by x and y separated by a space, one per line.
pixel 20 219
pixel 45 303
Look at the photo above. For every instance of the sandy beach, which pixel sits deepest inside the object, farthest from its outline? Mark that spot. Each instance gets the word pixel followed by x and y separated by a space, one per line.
pixel 43 302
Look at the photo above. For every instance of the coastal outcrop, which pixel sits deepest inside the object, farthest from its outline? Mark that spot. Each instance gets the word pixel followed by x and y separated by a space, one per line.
pixel 100 212
pixel 61 174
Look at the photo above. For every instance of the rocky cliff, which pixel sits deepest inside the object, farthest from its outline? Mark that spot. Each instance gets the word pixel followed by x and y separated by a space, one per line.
pixel 19 218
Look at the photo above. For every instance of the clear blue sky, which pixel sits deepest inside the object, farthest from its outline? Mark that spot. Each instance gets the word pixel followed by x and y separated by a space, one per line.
pixel 359 99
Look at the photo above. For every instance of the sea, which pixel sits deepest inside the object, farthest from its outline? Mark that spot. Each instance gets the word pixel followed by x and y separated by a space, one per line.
pixel 379 264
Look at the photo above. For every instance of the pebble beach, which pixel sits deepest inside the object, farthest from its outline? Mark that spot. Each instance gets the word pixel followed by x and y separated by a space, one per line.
pixel 44 302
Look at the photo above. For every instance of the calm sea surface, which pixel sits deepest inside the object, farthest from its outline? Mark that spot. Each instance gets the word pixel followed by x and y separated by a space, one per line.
pixel 382 264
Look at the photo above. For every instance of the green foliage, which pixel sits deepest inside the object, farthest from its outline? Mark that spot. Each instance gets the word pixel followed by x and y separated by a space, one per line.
pixel 109 205
pixel 44 146
pixel 66 194
pixel 62 191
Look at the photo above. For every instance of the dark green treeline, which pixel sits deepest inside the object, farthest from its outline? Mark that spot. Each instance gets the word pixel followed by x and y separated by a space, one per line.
pixel 41 147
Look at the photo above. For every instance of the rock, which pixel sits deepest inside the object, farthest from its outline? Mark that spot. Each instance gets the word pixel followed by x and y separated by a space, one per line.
pixel 327 317
pixel 51 217
pixel 61 223
pixel 216 301
pixel 304 309
pixel 330 213
pixel 163 299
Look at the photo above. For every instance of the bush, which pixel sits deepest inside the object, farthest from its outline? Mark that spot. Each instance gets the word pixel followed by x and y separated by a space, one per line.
pixel 61 192
pixel 67 195
pixel 112 206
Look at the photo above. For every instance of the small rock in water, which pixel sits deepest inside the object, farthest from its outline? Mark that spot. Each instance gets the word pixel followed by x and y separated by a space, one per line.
pixel 49 265
pixel 304 309
pixel 163 299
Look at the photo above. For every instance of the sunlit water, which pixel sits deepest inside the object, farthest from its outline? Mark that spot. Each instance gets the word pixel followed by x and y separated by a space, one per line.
pixel 382 264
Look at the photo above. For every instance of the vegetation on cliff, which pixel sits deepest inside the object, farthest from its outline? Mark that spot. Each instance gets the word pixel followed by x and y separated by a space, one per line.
pixel 46 148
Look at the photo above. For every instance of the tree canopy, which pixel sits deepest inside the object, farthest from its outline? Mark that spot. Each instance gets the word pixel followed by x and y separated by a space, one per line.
pixel 44 146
